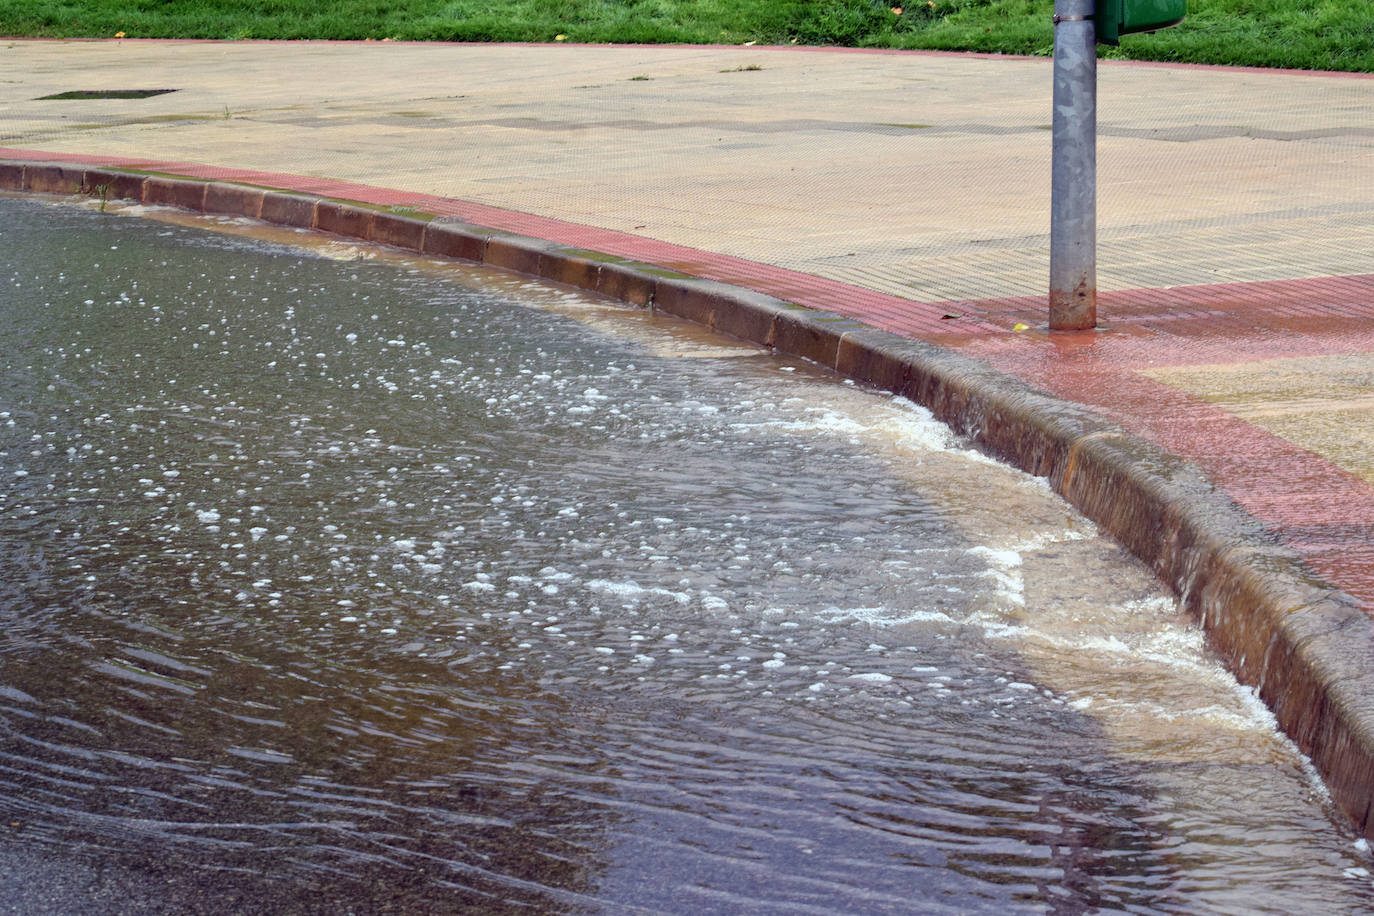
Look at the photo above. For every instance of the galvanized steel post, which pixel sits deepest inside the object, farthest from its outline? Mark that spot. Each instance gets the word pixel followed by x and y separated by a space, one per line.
pixel 1073 180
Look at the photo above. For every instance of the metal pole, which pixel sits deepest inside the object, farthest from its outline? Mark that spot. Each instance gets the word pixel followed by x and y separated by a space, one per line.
pixel 1073 184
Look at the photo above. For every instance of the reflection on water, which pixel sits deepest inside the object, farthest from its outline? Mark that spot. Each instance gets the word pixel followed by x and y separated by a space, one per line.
pixel 342 583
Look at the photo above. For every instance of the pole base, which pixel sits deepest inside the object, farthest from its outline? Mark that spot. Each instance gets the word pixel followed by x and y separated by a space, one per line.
pixel 1073 311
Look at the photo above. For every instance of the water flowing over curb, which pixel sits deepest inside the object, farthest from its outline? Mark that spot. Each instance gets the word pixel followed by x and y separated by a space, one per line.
pixel 1307 649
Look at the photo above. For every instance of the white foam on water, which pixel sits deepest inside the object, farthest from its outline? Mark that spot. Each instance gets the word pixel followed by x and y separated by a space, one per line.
pixel 1001 559
pixel 1086 529
pixel 632 591
pixel 910 426
pixel 1004 569
pixel 476 586
pixel 881 616
pixel 996 627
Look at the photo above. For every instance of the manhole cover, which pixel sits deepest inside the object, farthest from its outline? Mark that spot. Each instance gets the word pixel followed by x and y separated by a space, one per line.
pixel 105 94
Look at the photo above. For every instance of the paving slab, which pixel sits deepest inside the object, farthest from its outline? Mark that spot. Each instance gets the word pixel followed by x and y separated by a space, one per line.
pixel 907 191
pixel 922 176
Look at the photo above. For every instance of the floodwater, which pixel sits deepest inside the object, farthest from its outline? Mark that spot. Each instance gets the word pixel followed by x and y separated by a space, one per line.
pixel 340 582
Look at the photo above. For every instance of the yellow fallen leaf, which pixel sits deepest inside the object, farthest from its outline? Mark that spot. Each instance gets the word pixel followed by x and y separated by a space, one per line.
pixel 119 34
pixel 1019 327
pixel 560 38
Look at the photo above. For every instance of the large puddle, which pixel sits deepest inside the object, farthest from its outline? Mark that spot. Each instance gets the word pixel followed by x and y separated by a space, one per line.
pixel 332 582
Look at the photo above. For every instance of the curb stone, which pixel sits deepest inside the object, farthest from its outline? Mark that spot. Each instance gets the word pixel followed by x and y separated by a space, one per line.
pixel 1307 649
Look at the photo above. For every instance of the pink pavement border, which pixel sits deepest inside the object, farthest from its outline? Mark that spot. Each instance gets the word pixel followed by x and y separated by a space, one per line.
pixel 1307 648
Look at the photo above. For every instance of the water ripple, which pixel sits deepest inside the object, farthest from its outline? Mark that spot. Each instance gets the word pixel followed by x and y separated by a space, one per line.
pixel 343 586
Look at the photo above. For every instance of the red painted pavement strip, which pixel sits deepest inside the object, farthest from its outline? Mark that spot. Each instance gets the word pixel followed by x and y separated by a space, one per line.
pixel 1319 509
pixel 1320 305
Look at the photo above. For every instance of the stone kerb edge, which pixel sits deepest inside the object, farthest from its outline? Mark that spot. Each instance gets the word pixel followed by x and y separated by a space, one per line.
pixel 1308 650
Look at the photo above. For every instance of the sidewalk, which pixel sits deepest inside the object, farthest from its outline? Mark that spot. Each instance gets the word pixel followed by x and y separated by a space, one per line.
pixel 909 192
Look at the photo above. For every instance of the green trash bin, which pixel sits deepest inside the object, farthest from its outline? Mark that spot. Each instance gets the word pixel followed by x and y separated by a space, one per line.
pixel 1115 18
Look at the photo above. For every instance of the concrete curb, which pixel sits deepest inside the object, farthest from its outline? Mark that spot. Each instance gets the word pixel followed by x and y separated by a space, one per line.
pixel 1306 648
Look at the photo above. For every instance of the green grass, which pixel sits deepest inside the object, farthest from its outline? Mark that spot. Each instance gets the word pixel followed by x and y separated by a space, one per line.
pixel 1304 34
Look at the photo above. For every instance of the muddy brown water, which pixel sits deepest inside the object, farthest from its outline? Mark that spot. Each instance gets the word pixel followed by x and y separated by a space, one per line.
pixel 337 581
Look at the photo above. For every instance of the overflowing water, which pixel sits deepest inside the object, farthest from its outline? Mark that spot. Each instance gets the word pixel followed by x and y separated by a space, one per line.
pixel 335 582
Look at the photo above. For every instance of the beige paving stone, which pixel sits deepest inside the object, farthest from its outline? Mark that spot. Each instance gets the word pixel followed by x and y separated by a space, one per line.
pixel 1324 403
